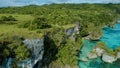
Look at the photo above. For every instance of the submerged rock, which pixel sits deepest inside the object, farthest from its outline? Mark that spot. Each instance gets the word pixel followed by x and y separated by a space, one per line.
pixel 108 58
pixel 84 59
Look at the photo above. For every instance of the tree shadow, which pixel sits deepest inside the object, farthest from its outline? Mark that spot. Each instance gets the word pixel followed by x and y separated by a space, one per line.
pixel 50 51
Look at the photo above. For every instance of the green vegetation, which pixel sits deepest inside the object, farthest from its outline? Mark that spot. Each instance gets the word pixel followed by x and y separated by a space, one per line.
pixel 13 47
pixel 101 45
pixel 109 51
pixel 35 21
pixel 117 49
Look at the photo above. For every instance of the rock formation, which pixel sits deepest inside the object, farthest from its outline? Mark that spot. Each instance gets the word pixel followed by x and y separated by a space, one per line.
pixel 36 47
pixel 37 50
pixel 108 58
pixel 92 55
pixel 97 52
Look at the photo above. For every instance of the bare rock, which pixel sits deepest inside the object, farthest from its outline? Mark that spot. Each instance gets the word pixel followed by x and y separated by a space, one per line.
pixel 84 59
pixel 99 51
pixel 92 55
pixel 108 58
pixel 118 54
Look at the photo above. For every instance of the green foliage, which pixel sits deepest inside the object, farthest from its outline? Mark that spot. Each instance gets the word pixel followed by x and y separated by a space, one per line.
pixel 1 21
pixel 13 48
pixel 110 52
pixel 69 50
pixel 19 51
pixel 4 53
pixel 117 49
pixel 40 23
pixel 9 18
pixel 83 32
pixel 49 19
pixel 101 45
pixel 25 24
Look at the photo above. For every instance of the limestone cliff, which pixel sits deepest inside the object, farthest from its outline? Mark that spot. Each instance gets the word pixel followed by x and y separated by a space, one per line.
pixel 36 47
pixel 72 31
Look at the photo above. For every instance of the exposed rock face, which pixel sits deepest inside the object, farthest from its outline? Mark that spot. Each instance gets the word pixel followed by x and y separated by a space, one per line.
pixel 118 54
pixel 107 58
pixel 72 31
pixel 99 51
pixel 37 50
pixel 92 55
pixel 95 38
pixel 118 21
pixel 90 37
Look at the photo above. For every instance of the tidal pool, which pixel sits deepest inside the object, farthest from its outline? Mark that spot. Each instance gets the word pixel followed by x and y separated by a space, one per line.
pixel 111 36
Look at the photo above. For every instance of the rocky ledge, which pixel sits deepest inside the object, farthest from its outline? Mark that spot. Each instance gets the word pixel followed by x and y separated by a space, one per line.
pixel 92 55
pixel 106 57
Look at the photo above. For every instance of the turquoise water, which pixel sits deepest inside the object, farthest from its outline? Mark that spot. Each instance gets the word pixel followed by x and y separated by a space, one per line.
pixel 111 36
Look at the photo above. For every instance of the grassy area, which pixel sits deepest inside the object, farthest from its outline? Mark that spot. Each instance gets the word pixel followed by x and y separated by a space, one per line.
pixel 11 30
pixel 19 17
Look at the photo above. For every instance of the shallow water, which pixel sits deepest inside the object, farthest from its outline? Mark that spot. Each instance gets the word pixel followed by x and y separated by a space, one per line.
pixel 111 36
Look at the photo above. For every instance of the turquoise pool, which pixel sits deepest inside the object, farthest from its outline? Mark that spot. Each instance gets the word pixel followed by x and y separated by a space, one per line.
pixel 111 36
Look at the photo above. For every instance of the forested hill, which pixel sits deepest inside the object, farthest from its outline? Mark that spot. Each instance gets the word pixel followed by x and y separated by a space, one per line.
pixel 53 19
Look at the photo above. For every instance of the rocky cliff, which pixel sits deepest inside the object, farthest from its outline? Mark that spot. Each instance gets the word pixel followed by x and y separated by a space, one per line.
pixel 71 32
pixel 52 49
pixel 36 47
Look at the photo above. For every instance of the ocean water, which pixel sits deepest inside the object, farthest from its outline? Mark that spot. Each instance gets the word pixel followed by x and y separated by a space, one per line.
pixel 111 36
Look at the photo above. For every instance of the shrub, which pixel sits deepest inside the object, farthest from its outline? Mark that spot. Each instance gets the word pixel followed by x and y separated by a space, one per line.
pixel 1 22
pixel 9 18
pixel 40 23
pixel 24 24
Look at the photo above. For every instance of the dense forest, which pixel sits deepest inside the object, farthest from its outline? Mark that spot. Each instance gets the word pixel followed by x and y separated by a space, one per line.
pixel 18 23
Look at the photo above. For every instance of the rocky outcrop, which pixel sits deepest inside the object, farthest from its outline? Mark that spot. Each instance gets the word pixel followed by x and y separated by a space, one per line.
pixel 95 52
pixel 92 55
pixel 90 37
pixel 37 49
pixel 70 32
pixel 118 55
pixel 118 21
pixel 94 38
pixel 108 58
pixel 84 59
pixel 99 51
